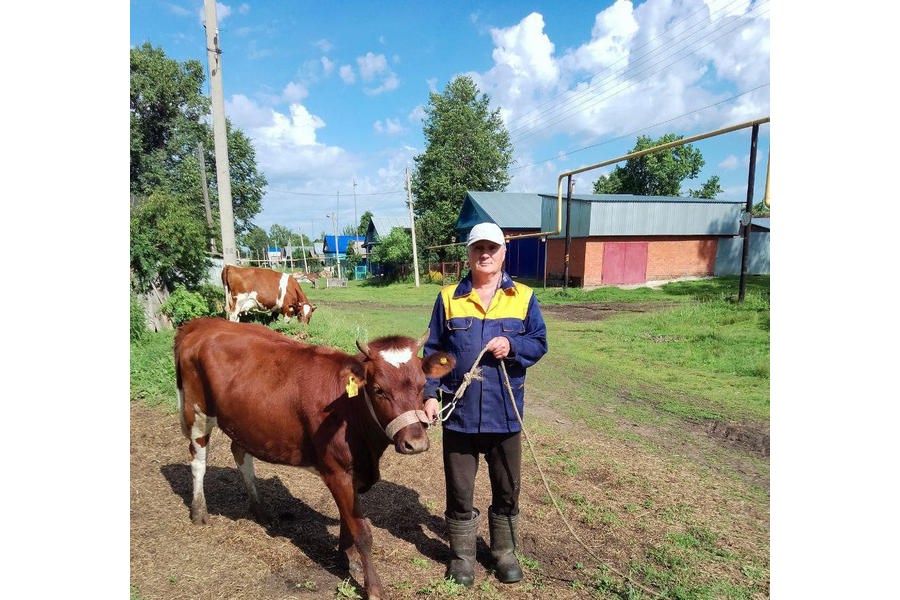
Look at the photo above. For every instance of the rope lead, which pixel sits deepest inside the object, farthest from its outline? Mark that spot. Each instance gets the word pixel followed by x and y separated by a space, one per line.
pixel 446 411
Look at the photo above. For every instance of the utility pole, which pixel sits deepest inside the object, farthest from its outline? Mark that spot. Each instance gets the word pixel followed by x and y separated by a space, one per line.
pixel 412 223
pixel 747 218
pixel 355 217
pixel 337 254
pixel 223 178
pixel 303 249
pixel 209 219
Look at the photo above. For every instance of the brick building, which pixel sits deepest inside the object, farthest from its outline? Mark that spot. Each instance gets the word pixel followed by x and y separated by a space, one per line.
pixel 615 238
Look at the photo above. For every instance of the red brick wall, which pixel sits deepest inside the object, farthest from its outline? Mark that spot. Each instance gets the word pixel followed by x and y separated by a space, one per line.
pixel 667 257
pixel 670 258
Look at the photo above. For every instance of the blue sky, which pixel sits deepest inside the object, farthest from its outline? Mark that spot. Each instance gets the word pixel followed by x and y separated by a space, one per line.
pixel 334 96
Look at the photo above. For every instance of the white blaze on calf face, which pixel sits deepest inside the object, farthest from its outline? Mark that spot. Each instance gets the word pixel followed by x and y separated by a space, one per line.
pixel 306 310
pixel 396 356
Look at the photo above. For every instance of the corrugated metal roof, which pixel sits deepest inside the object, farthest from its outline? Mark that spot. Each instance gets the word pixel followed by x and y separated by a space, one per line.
pixel 509 210
pixel 604 214
pixel 762 222
pixel 380 227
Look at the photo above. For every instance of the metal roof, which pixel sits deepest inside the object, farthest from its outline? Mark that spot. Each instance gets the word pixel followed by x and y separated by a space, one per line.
pixel 382 226
pixel 603 214
pixel 509 210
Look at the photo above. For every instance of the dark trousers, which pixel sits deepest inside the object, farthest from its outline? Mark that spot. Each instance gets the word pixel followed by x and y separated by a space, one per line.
pixel 503 454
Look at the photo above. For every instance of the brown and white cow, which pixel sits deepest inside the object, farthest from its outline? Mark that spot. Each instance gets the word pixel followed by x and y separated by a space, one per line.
pixel 263 290
pixel 292 403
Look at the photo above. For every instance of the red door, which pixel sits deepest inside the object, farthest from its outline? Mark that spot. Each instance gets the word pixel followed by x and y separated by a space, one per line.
pixel 624 262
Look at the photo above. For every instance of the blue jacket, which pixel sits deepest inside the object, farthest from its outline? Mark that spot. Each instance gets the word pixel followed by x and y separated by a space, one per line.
pixel 461 326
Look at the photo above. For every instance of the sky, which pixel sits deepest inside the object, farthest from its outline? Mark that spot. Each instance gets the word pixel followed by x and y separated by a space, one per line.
pixel 66 189
pixel 334 99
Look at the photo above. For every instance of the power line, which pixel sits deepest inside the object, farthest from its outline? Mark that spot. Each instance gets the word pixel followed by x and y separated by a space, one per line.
pixel 523 121
pixel 333 194
pixel 648 70
pixel 631 133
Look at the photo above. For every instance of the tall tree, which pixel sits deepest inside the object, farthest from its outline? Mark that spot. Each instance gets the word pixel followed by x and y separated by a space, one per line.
pixel 279 235
pixel 364 221
pixel 658 173
pixel 467 147
pixel 168 122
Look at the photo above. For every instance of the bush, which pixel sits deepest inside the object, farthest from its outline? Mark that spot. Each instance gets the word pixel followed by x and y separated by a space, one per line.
pixel 138 321
pixel 215 298
pixel 182 306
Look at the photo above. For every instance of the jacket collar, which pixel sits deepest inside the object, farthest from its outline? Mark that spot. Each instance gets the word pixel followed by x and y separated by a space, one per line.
pixel 464 287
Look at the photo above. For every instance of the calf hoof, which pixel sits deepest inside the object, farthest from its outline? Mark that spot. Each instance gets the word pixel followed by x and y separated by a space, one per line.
pixel 199 518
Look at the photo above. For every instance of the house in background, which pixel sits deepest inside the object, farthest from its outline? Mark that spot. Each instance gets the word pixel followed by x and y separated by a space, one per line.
pixel 379 228
pixel 615 238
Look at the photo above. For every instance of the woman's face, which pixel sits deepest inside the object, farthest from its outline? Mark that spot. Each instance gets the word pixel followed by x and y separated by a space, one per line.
pixel 486 258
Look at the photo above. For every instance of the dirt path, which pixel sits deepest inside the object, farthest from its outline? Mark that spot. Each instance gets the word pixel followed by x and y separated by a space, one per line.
pixel 294 556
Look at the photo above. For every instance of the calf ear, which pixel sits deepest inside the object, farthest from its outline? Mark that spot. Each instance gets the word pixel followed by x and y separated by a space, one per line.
pixel 353 377
pixel 437 364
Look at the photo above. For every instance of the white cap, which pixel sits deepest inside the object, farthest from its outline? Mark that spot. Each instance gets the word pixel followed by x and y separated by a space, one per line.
pixel 486 231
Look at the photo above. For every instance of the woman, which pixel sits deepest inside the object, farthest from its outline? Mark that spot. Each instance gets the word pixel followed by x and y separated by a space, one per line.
pixel 486 310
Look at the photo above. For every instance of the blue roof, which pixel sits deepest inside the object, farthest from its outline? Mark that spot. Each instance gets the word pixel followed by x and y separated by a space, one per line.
pixel 343 242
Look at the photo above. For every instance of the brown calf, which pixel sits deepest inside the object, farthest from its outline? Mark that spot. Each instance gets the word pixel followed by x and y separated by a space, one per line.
pixel 291 403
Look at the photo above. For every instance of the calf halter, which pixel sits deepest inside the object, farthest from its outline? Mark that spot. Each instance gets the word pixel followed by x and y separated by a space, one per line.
pixel 407 418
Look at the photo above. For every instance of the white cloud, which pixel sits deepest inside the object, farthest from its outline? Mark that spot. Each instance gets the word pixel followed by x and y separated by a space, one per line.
pixel 294 92
pixel 417 114
pixel 641 66
pixel 323 45
pixel 371 65
pixel 346 73
pixel 389 84
pixel 730 162
pixel 244 8
pixel 327 65
pixel 390 127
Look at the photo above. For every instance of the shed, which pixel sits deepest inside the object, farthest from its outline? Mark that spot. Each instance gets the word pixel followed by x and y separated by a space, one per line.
pixel 616 238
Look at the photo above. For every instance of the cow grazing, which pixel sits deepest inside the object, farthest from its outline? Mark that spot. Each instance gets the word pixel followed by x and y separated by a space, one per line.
pixel 292 403
pixel 263 290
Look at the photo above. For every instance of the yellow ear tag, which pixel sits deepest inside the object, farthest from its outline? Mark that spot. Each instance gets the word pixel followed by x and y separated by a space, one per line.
pixel 352 388
pixel 443 360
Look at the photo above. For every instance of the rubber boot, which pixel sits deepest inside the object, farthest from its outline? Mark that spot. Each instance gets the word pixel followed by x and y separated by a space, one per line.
pixel 503 546
pixel 462 536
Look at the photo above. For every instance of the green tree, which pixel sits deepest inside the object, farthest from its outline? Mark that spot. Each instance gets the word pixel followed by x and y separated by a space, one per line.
pixel 467 147
pixel 709 190
pixel 658 173
pixel 279 235
pixel 169 121
pixel 256 240
pixel 168 244
pixel 364 221
pixel 393 251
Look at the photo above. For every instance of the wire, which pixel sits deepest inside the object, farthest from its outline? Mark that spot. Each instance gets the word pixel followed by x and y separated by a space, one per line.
pixel 524 122
pixel 629 134
pixel 586 102
pixel 335 194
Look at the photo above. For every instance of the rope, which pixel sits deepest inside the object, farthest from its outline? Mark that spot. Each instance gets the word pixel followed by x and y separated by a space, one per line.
pixel 553 498
pixel 475 373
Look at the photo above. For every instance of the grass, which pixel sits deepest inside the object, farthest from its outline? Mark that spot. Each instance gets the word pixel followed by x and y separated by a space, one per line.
pixel 703 356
